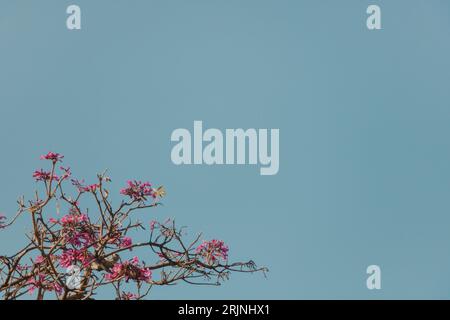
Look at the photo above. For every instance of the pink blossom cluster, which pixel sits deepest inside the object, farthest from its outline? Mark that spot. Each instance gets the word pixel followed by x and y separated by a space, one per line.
pixel 72 256
pixel 75 229
pixel 39 281
pixel 128 296
pixel 73 219
pixel 125 242
pixel 129 270
pixel 80 239
pixel 39 259
pixel 138 191
pixel 213 250
pixel 90 188
pixel 41 175
pixel 153 224
pixel 115 237
pixel 55 157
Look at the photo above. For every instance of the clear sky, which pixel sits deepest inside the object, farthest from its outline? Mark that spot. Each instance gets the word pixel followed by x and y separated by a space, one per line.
pixel 363 116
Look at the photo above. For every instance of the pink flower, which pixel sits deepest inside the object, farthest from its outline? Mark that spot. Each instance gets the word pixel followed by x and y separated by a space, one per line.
pixel 23 267
pixel 135 261
pixel 130 270
pixel 67 258
pixel 35 283
pixel 74 219
pixel 126 242
pixel 213 250
pixel 142 274
pixel 66 173
pixel 129 296
pixel 56 287
pixel 85 258
pixel 53 220
pixel 79 239
pixel 138 191
pixel 91 188
pixel 41 175
pixel 39 260
pixel 72 256
pixel 40 282
pixel 145 274
pixel 152 225
pixel 55 157
pixel 116 272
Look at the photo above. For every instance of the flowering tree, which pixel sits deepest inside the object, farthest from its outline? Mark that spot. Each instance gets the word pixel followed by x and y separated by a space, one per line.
pixel 73 256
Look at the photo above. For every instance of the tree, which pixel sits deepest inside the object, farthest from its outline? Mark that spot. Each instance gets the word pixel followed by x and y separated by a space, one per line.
pixel 74 256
